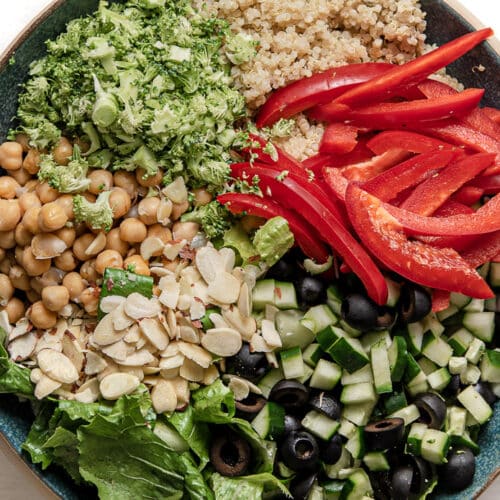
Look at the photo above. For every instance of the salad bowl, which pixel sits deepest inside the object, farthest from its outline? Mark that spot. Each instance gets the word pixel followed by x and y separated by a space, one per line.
pixel 479 68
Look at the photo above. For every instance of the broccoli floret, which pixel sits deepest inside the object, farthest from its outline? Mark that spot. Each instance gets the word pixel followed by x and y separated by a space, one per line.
pixel 98 215
pixel 66 179
pixel 240 48
pixel 100 50
pixel 213 219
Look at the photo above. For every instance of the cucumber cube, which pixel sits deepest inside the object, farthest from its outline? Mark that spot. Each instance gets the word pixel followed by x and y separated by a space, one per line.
pixel 436 349
pixel 292 363
pixel 349 354
pixel 475 351
pixel 381 368
pixel 435 446
pixel 490 366
pixel 320 425
pixel 457 365
pixel 358 393
pixel 439 379
pixel 475 404
pixel 460 341
pixel 415 437
pixel 326 375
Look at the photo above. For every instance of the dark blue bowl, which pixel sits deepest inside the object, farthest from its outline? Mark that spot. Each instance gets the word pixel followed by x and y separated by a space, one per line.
pixel 443 24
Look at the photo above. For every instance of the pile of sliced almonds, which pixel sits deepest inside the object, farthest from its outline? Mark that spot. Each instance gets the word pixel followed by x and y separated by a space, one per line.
pixel 159 342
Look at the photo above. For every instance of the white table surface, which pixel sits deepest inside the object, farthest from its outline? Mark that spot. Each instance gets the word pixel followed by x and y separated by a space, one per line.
pixel 15 482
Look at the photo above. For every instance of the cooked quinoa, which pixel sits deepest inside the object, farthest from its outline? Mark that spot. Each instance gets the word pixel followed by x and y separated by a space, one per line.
pixel 300 37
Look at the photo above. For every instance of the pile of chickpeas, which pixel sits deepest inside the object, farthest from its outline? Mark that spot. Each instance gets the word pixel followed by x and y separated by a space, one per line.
pixel 42 288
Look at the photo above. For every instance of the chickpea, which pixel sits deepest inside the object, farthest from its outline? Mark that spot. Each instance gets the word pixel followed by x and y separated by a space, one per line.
pixel 126 181
pixel 54 298
pixel 74 284
pixel 66 202
pixel 133 230
pixel 100 180
pixel 148 181
pixel 30 220
pixel 6 289
pixel 29 200
pixel 80 246
pixel 108 258
pixel 19 278
pixel 18 255
pixel 178 209
pixel 46 193
pixel 89 299
pixel 138 264
pixel 114 242
pixel 5 264
pixel 88 271
pixel 67 234
pixel 148 209
pixel 36 285
pixel 201 197
pixel 24 141
pixel 8 187
pixel 185 230
pixel 7 239
pixel 83 145
pixel 41 317
pixel 161 232
pixel 22 235
pixel 31 185
pixel 62 151
pixel 21 176
pixel 10 214
pixel 2 254
pixel 52 217
pixel 15 310
pixel 34 267
pixel 89 196
pixel 66 261
pixel 31 162
pixel 11 155
pixel 32 296
pixel 120 202
pixel 251 222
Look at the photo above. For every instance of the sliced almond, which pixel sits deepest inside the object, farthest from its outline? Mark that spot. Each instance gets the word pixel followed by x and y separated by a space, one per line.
pixel 217 320
pixel 172 324
pixel 110 303
pixel 184 302
pixel 172 249
pixel 71 348
pixel 133 334
pixel 151 381
pixel 197 309
pixel 139 358
pixel 121 321
pixel 209 263
pixel 118 384
pixel 272 359
pixel 95 363
pixel 133 370
pixel 47 246
pixel 270 312
pixel 228 258
pixel 88 392
pixel 246 325
pixel 48 342
pixel 171 350
pixel 222 341
pixel 170 373
pixel 164 397
pixel 189 334
pixel 245 300
pixel 258 344
pixel 170 291
pixel 150 247
pixel 153 330
pixel 164 211
pixel 22 347
pixel 105 332
pixel 22 327
pixel 196 353
pixel 200 292
pixel 137 306
pixel 150 370
pixel 270 334
pixel 181 388
pixel 118 351
pixel 239 387
pixel 191 371
pixel 211 375
pixel 45 386
pixel 35 375
pixel 57 366
pixel 172 362
pixel 97 245
pixel 224 288
pixel 4 322
pixel 111 367
pixel 176 191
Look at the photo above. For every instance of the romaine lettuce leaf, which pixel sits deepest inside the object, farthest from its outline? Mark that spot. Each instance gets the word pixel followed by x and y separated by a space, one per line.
pixel 245 487
pixel 13 378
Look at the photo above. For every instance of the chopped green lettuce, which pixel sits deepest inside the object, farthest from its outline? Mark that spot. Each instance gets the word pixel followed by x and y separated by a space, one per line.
pixel 236 238
pixel 245 487
pixel 273 240
pixel 212 217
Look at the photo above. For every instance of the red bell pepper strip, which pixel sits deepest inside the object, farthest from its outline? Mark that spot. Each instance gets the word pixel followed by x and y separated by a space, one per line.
pixel 452 207
pixel 414 260
pixel 336 181
pixel 400 114
pixel 492 113
pixel 468 195
pixel 490 184
pixel 389 183
pixel 374 166
pixel 434 191
pixel 409 141
pixel 440 300
pixel 319 88
pixel 293 195
pixel 306 236
pixel 338 138
pixel 482 249
pixel 385 86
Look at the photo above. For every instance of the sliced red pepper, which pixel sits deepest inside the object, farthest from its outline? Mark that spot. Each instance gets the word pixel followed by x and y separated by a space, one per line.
pixel 489 184
pixel 452 207
pixel 414 260
pixel 434 191
pixel 440 300
pixel 316 89
pixel 399 77
pixel 492 114
pixel 293 195
pixel 400 114
pixel 339 138
pixel 409 141
pixel 306 236
pixel 389 183
pixel 336 181
pixel 482 249
pixel 374 166
pixel 468 195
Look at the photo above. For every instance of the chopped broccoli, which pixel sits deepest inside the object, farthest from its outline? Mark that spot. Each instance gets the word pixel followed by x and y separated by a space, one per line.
pixel 66 179
pixel 240 48
pixel 212 217
pixel 273 240
pixel 98 215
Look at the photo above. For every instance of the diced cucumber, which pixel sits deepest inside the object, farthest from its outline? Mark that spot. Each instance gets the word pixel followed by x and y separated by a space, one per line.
pixel 418 387
pixel 312 354
pixel 460 341
pixel 370 338
pixel 475 404
pixel 397 357
pixel 494 274
pixel 409 414
pixel 349 329
pixel 435 446
pixel 475 305
pixel 480 324
pixel 345 461
pixel 420 379
pixel 262 294
pixel 358 393
pixel 447 313
pixel 465 440
pixel 356 444
pixel 455 420
pixel 395 402
pixel 292 363
pixel 320 425
pixel 491 304
pixel 284 471
pixel 269 380
pixel 439 379
pixel 380 367
pixel 427 365
pixel 490 366
pixel 376 461
pixel 470 375
pixel 356 486
pixel 412 369
pixel 393 292
pixel 316 493
pixel 362 375
pixel 414 337
pixel 326 375
pixel 284 295
pixel 332 490
pixel 496 389
pixel 349 354
pixel 415 437
pixel 358 414
pixel 292 333
pixel 328 336
pixel 432 324
pixel 270 421
pixel 319 317
pixel 308 371
pixel 347 428
pixel 436 349
pixel 459 300
pixel 334 299
pixel 457 365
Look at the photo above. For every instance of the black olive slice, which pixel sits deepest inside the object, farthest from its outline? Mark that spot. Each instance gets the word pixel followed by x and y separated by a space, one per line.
pixel 453 388
pixel 299 451
pixel 249 407
pixel 230 454
pixel 301 486
pixel 290 394
pixel 432 409
pixel 384 434
pixel 292 423
pixel 311 291
pixel 382 487
pixel 459 470
pixel 386 318
pixel 414 303
pixel 246 364
pixel 331 452
pixel 283 270
pixel 422 474
pixel 485 390
pixel 401 482
pixel 326 404
pixel 359 312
